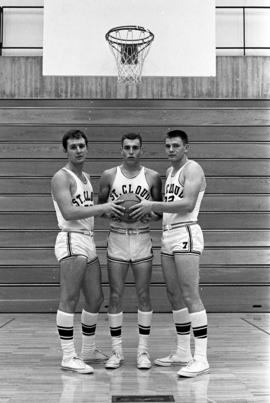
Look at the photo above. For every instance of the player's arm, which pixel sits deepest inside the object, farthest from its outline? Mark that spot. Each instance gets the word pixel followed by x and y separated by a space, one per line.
pixel 104 187
pixel 156 193
pixel 60 186
pixel 105 182
pixel 194 179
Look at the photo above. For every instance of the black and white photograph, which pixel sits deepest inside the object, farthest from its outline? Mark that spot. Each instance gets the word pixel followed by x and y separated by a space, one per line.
pixel 134 201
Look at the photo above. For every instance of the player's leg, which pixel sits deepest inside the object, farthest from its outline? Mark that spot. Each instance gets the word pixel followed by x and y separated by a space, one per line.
pixel 93 295
pixel 187 266
pixel 142 274
pixel 72 272
pixel 188 275
pixel 181 317
pixel 117 272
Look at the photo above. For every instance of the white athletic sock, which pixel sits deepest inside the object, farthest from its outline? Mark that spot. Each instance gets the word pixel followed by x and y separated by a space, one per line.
pixel 144 326
pixel 199 326
pixel 115 323
pixel 182 323
pixel 89 322
pixel 65 323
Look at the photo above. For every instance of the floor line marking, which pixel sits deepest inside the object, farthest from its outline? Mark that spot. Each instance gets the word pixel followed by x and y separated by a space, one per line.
pixel 257 327
pixel 11 320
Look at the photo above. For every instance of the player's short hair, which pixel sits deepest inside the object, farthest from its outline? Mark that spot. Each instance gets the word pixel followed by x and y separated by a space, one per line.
pixel 131 136
pixel 73 134
pixel 178 133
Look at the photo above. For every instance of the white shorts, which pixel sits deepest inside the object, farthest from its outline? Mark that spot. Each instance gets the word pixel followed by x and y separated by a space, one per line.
pixel 70 244
pixel 185 239
pixel 129 247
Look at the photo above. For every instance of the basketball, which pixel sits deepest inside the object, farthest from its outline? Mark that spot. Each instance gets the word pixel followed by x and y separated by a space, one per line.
pixel 129 200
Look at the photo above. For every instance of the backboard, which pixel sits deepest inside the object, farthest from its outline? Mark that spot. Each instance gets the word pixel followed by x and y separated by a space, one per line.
pixel 74 36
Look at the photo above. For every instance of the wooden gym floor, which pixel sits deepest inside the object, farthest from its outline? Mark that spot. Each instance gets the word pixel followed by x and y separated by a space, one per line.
pixel 238 352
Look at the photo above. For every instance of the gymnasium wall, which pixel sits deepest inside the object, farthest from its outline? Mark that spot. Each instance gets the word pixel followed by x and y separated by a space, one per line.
pixel 229 134
pixel 236 77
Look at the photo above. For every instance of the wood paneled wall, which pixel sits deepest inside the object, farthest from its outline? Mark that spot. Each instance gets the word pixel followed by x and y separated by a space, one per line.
pixel 229 138
pixel 236 77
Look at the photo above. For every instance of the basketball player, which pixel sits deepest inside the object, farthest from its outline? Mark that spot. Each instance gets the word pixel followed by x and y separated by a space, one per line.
pixel 130 244
pixel 182 245
pixel 75 250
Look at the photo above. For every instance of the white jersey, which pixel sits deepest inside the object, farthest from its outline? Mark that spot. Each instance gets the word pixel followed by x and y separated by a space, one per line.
pixel 138 185
pixel 82 197
pixel 174 190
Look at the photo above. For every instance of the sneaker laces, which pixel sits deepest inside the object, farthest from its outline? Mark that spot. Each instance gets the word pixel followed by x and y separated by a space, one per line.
pixel 78 359
pixel 172 353
pixel 140 353
pixel 74 357
pixel 189 364
pixel 116 353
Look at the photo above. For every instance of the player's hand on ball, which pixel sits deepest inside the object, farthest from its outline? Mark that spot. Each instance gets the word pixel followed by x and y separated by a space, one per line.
pixel 139 211
pixel 128 200
pixel 114 209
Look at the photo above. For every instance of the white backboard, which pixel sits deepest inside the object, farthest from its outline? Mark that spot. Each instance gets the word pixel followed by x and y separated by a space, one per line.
pixel 74 36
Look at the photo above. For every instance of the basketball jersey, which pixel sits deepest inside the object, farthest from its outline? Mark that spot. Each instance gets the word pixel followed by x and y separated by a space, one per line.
pixel 82 197
pixel 122 185
pixel 174 190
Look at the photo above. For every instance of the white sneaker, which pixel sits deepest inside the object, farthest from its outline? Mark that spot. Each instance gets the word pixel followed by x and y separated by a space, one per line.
pixel 143 360
pixel 173 359
pixel 194 368
pixel 115 360
pixel 94 356
pixel 75 364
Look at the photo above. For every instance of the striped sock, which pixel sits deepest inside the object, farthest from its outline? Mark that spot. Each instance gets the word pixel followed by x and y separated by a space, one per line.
pixel 199 326
pixel 64 322
pixel 144 326
pixel 182 323
pixel 89 323
pixel 115 323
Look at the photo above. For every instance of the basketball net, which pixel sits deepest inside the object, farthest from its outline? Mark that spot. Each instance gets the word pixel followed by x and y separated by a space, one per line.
pixel 130 45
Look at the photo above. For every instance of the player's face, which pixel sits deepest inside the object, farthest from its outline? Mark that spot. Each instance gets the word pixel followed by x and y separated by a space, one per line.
pixel 175 149
pixel 76 150
pixel 131 150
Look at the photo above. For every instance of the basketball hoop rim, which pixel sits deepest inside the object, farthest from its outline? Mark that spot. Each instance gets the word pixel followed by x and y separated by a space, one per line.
pixel 119 41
